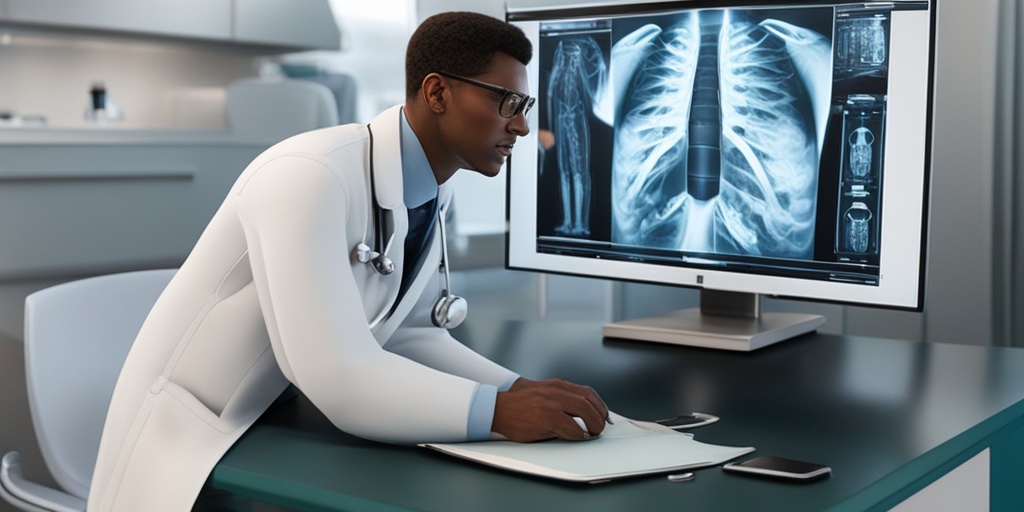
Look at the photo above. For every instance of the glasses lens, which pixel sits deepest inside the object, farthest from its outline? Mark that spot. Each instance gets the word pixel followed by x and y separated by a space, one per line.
pixel 515 103
pixel 511 104
pixel 529 104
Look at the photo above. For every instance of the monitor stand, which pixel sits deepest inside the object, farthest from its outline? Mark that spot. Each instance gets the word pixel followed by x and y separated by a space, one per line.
pixel 725 320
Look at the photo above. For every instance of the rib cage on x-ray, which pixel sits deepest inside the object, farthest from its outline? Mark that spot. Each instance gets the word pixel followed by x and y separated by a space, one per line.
pixel 772 117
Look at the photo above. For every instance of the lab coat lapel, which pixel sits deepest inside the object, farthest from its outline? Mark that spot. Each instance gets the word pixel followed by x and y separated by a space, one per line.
pixel 427 274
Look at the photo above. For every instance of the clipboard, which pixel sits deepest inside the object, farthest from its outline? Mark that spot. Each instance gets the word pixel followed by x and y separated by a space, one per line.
pixel 626 448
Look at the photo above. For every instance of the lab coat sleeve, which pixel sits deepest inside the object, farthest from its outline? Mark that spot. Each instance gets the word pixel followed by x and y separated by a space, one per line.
pixel 293 210
pixel 435 347
pixel 420 340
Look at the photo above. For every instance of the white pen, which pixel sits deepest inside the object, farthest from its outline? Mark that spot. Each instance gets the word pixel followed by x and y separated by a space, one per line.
pixel 680 477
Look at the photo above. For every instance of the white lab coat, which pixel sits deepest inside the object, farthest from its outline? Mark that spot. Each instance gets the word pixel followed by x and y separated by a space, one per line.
pixel 272 294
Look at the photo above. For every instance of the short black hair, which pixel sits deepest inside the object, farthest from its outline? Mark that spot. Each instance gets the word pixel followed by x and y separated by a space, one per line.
pixel 462 43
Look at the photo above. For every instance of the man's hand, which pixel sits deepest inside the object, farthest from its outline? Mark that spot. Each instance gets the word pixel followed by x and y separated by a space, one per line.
pixel 534 410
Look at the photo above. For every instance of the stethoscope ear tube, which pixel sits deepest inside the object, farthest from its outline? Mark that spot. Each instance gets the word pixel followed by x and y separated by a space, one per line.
pixel 382 223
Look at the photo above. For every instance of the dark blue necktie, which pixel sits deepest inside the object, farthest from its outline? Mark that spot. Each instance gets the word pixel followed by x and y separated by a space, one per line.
pixel 421 225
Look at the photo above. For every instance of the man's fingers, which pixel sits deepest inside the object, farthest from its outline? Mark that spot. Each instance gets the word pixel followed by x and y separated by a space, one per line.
pixel 584 403
pixel 592 419
pixel 574 430
pixel 591 395
pixel 535 410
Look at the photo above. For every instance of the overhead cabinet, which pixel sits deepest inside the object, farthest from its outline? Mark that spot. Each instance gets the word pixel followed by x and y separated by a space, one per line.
pixel 291 25
pixel 205 19
pixel 303 23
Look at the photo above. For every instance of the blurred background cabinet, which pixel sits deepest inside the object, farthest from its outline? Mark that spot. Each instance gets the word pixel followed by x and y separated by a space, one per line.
pixel 295 24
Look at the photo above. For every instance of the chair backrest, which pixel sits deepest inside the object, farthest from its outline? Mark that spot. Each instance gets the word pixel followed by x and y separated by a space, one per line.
pixel 77 335
pixel 344 88
pixel 203 108
pixel 277 108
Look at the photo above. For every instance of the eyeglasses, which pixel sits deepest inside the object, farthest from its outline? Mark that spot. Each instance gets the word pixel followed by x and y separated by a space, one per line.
pixel 512 103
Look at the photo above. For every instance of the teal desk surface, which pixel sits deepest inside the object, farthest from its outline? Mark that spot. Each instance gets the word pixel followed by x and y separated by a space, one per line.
pixel 888 416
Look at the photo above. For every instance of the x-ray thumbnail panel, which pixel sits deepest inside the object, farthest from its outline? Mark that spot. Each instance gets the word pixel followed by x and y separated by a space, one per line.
pixel 575 133
pixel 859 213
pixel 862 41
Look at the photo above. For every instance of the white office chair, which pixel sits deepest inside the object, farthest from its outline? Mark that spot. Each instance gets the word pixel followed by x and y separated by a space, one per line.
pixel 201 108
pixel 277 108
pixel 77 335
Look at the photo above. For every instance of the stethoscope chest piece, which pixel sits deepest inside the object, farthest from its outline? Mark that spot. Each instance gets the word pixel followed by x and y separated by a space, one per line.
pixel 381 263
pixel 450 310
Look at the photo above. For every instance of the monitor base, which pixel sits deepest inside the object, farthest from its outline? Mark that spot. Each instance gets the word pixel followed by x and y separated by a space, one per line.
pixel 691 327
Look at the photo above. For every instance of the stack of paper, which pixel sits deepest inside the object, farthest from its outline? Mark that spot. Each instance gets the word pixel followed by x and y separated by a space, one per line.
pixel 626 448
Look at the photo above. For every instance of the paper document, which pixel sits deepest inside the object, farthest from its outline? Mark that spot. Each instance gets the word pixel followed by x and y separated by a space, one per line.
pixel 625 448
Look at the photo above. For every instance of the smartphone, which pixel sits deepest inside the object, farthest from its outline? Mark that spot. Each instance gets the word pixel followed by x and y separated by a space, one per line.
pixel 692 420
pixel 778 467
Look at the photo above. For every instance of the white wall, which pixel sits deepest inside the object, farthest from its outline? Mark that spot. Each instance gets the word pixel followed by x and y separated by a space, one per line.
pixel 964 488
pixel 374 36
pixel 425 8
pixel 962 280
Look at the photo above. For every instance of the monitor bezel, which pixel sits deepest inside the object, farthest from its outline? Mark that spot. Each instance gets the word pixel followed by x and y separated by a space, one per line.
pixel 901 285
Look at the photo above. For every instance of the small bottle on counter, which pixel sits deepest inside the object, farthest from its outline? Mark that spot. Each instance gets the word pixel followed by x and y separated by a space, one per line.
pixel 100 107
pixel 98 94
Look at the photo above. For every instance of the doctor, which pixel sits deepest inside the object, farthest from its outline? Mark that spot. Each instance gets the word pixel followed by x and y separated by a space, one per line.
pixel 321 269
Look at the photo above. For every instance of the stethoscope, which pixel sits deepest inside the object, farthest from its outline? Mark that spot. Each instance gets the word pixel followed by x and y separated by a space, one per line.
pixel 450 310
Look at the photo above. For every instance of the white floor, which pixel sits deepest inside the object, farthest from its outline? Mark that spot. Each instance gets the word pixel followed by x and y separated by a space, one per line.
pixel 965 488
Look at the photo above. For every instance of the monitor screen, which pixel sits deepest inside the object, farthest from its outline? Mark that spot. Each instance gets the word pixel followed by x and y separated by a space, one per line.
pixel 766 148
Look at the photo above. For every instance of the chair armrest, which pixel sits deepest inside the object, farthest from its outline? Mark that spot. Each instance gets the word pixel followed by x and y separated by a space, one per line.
pixel 32 495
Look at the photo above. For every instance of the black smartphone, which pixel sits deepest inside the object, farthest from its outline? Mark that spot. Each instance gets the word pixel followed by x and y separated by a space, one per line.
pixel 685 421
pixel 779 467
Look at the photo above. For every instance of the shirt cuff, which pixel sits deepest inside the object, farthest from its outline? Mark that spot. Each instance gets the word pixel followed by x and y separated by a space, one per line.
pixel 481 412
pixel 508 384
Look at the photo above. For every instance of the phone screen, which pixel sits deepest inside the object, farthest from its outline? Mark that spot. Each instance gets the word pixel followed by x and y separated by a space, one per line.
pixel 687 420
pixel 779 467
pixel 680 421
pixel 781 464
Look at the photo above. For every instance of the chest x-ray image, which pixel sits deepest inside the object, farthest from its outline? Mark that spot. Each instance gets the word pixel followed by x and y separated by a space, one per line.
pixel 719 122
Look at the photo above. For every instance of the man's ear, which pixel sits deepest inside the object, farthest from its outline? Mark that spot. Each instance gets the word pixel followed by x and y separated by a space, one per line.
pixel 434 93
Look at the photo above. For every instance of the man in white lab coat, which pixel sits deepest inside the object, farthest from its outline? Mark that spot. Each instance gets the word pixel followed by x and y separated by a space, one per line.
pixel 283 286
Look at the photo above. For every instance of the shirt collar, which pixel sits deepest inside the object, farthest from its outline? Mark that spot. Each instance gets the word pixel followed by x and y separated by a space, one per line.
pixel 420 185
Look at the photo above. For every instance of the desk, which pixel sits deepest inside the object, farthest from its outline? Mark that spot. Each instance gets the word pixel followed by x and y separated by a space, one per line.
pixel 890 417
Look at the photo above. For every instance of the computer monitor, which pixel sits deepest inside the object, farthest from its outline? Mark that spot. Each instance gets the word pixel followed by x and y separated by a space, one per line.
pixel 746 148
